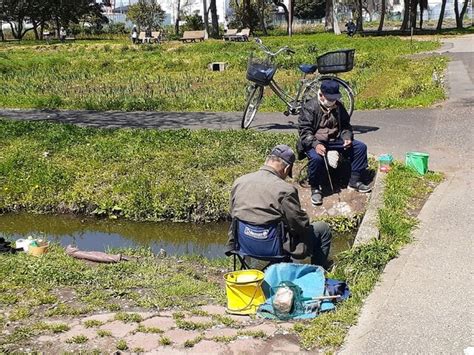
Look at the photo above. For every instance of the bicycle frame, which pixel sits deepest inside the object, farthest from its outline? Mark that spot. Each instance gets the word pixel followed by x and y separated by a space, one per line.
pixel 293 103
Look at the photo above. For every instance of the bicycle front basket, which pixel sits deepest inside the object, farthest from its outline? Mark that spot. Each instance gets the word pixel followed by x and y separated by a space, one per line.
pixel 260 72
pixel 336 62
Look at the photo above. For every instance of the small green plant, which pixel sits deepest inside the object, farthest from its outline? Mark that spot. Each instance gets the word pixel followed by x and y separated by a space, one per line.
pixel 183 324
pixel 164 340
pixel 113 307
pixel 138 350
pixel 252 333
pixel 191 342
pixel 19 313
pixel 227 321
pixel 128 317
pixel 121 345
pixel 142 329
pixel 104 333
pixel 91 323
pixel 78 339
pixel 178 315
pixel 199 312
pixel 59 327
pixel 224 339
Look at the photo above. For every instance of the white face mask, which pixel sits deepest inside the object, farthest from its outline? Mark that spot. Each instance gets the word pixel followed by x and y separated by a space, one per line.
pixel 325 102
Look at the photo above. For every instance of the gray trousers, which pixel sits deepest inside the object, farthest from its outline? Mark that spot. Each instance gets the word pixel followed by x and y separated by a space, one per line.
pixel 318 244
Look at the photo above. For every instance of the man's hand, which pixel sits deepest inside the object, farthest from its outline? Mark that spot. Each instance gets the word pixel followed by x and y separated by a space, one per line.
pixel 321 149
pixel 347 143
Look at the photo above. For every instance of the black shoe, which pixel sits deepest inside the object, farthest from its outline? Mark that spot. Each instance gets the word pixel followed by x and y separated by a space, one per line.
pixel 316 197
pixel 360 187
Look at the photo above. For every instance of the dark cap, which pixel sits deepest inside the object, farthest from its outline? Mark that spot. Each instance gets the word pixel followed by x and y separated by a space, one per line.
pixel 286 153
pixel 330 90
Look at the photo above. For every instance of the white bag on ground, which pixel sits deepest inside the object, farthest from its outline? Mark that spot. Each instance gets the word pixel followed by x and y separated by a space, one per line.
pixel 333 158
pixel 283 300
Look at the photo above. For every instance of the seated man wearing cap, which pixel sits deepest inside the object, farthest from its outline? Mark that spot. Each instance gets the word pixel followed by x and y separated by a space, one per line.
pixel 263 198
pixel 323 126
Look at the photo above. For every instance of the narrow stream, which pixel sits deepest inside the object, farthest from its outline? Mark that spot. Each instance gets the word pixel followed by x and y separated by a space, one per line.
pixel 101 234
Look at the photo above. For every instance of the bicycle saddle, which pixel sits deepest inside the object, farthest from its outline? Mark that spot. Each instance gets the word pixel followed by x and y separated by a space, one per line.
pixel 308 68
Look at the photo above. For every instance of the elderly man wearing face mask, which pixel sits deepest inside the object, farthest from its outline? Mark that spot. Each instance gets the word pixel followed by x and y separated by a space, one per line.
pixel 324 126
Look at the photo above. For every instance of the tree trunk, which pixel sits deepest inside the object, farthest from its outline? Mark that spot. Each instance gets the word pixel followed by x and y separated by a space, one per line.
pixel 359 16
pixel 337 31
pixel 263 25
pixel 205 16
pixel 290 17
pixel 463 12
pixel 414 11
pixel 285 9
pixel 35 29
pixel 456 13
pixel 214 19
pixel 57 26
pixel 421 17
pixel 441 16
pixel 2 36
pixel 406 15
pixel 382 16
pixel 176 22
pixel 41 29
pixel 329 19
pixel 15 31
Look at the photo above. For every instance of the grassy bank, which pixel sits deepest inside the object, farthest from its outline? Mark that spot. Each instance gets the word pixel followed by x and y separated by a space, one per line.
pixel 179 175
pixel 115 75
pixel 35 291
pixel 361 267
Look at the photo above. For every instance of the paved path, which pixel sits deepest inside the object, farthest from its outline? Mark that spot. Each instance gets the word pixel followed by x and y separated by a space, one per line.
pixel 424 302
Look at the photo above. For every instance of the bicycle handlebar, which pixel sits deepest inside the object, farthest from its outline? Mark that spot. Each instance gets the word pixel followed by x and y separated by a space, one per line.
pixel 267 51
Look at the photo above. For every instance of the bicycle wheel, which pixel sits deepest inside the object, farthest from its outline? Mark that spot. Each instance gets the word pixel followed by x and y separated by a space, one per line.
pixel 346 92
pixel 254 98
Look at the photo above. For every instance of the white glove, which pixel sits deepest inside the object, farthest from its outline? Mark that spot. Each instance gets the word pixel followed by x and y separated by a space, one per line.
pixel 333 158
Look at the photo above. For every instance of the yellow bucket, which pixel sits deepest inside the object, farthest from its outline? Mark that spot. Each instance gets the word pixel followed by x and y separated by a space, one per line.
pixel 38 251
pixel 244 291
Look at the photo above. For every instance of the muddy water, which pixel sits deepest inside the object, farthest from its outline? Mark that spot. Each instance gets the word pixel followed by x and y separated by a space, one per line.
pixel 102 234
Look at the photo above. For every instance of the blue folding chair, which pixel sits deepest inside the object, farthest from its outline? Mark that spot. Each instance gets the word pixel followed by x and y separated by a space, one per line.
pixel 264 242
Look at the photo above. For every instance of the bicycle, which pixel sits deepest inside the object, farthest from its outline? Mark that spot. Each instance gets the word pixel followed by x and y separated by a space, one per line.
pixel 260 73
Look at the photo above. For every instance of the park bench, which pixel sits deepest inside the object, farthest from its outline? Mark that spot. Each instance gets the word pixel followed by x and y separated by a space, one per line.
pixel 156 36
pixel 192 36
pixel 242 36
pixel 229 33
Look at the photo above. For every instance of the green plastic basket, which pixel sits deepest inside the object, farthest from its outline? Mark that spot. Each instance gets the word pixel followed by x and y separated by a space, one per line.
pixel 417 161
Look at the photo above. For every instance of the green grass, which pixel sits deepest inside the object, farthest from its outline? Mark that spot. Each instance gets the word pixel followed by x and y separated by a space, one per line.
pixel 179 175
pixel 164 283
pixel 78 339
pixel 104 333
pixel 128 317
pixel 92 323
pixel 361 267
pixel 121 345
pixel 114 75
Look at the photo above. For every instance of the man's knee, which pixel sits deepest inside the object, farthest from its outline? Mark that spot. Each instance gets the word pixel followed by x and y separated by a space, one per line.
pixel 322 230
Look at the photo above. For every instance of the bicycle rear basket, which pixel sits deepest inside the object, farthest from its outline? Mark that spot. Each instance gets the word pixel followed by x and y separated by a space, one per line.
pixel 336 62
pixel 260 71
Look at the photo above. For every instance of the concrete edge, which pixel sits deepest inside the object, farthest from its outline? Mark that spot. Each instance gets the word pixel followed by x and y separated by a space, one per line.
pixel 369 227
